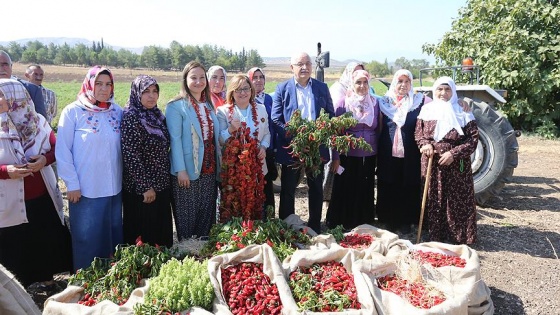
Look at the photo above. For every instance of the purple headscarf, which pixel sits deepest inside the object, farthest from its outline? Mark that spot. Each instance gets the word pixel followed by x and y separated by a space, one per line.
pixel 152 119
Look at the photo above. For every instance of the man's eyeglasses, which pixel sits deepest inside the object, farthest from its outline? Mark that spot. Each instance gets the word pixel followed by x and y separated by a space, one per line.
pixel 301 64
pixel 246 90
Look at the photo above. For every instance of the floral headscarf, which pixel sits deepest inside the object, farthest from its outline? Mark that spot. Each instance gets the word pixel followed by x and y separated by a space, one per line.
pixel 218 99
pixel 362 107
pixel 152 119
pixel 346 77
pixel 259 97
pixel 449 115
pixel 86 95
pixel 397 108
pixel 21 123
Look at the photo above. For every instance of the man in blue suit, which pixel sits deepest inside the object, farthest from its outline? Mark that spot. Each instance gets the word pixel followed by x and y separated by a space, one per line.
pixel 309 96
pixel 34 91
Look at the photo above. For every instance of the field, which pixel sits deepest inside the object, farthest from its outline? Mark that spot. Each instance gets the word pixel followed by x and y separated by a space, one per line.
pixel 519 231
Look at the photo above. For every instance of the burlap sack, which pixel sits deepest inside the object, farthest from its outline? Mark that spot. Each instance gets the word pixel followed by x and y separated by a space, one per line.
pixel 387 303
pixel 66 303
pixel 255 254
pixel 14 300
pixel 467 280
pixel 347 258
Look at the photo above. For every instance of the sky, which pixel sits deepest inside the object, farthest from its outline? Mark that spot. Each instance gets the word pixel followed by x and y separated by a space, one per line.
pixel 364 30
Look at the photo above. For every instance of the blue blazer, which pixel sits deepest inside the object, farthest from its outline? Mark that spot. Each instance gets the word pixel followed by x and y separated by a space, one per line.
pixel 181 119
pixel 284 104
pixel 36 95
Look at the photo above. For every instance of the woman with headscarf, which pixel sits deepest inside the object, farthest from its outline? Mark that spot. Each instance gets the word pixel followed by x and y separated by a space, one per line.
pixel 256 75
pixel 31 217
pixel 217 77
pixel 89 160
pixel 338 92
pixel 195 154
pixel 398 161
pixel 146 179
pixel 449 134
pixel 352 201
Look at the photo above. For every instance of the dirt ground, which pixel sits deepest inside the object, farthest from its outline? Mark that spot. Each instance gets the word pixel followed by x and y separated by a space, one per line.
pixel 518 233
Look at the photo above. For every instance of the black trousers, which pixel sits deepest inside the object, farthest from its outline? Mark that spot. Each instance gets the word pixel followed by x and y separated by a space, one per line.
pixel 289 180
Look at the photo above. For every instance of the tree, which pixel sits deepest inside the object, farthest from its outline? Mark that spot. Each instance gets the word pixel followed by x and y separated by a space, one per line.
pixel 517 46
pixel 15 50
pixel 254 59
pixel 378 69
pixel 402 63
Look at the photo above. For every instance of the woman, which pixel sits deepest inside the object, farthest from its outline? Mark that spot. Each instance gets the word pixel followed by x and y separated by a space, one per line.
pixel 447 133
pixel 195 154
pixel 34 243
pixel 256 75
pixel 146 179
pixel 217 77
pixel 338 92
pixel 352 201
pixel 89 160
pixel 240 112
pixel 398 172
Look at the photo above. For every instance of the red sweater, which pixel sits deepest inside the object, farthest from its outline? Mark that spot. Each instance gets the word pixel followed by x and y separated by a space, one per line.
pixel 34 185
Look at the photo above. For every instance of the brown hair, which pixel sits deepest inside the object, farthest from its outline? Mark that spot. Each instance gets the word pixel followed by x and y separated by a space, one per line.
pixel 235 83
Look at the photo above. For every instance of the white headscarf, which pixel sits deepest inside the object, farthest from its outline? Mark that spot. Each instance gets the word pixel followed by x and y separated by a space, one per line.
pixel 29 130
pixel 397 110
pixel 339 88
pixel 362 107
pixel 449 115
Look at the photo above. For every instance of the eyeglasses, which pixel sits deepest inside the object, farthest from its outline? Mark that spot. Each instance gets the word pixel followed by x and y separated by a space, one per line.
pixel 301 64
pixel 246 90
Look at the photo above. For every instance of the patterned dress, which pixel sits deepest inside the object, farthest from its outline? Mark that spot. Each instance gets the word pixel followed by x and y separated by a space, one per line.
pixel 450 207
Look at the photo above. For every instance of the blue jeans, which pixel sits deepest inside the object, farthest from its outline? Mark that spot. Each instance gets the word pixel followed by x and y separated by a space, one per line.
pixel 96 228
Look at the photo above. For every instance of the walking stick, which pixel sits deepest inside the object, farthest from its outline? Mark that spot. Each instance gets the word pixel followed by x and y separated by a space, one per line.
pixel 424 197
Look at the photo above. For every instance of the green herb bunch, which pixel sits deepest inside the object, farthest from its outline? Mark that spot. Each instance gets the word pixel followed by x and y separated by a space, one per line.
pixel 178 287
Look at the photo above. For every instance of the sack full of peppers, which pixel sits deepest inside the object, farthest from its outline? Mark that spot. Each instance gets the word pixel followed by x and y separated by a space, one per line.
pixel 322 282
pixel 365 238
pixel 250 281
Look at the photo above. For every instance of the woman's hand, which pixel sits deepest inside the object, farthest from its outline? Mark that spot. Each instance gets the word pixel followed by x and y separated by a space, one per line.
pixel 428 150
pixel 465 105
pixel 18 171
pixel 334 166
pixel 262 153
pixel 234 125
pixel 39 161
pixel 183 179
pixel 446 159
pixel 150 196
pixel 74 196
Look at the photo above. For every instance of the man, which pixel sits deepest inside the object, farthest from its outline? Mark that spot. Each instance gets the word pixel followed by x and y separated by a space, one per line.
pixel 35 75
pixel 309 96
pixel 34 91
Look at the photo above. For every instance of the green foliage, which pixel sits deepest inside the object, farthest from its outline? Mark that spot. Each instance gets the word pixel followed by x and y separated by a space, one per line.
pixel 178 287
pixel 517 46
pixel 153 57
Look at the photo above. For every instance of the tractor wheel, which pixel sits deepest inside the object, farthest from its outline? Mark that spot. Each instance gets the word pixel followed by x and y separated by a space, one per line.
pixel 496 154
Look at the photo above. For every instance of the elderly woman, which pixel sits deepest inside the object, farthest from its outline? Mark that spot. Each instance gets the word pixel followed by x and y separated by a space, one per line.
pixel 89 160
pixel 448 134
pixel 241 112
pixel 146 179
pixel 31 217
pixel 352 201
pixel 217 77
pixel 398 161
pixel 195 154
pixel 256 75
pixel 338 92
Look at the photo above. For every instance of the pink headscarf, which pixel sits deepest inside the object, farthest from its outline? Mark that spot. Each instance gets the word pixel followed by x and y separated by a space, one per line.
pixel 86 95
pixel 362 107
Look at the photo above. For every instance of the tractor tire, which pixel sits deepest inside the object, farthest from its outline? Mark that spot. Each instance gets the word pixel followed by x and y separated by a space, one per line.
pixel 496 154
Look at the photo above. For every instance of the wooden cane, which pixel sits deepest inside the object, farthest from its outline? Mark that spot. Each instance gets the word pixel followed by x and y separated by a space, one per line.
pixel 424 197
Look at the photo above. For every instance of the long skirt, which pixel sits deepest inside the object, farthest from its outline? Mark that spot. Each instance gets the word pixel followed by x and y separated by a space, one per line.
pixel 151 221
pixel 194 208
pixel 353 196
pixel 96 227
pixel 37 250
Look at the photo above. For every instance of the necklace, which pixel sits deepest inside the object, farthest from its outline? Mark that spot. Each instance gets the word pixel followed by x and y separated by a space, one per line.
pixel 209 159
pixel 245 118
